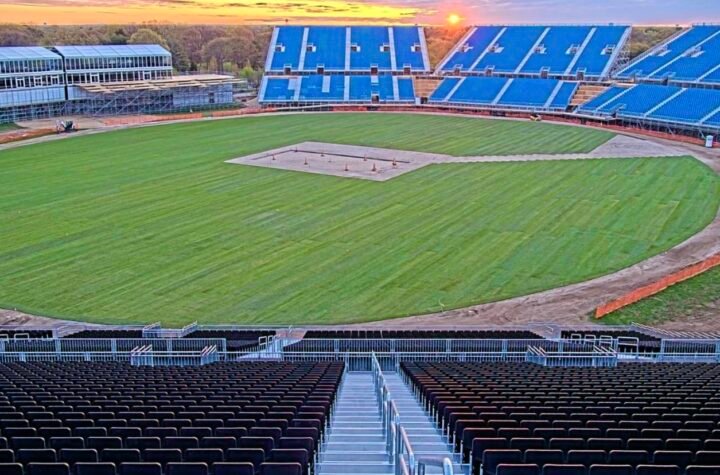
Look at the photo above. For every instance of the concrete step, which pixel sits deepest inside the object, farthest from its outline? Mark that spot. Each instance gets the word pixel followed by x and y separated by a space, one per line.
pixel 371 428
pixel 359 437
pixel 352 431
pixel 344 456
pixel 332 446
pixel 354 467
pixel 357 418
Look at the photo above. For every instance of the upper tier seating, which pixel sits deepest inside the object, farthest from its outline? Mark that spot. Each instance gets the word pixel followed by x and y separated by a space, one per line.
pixel 337 89
pixel 690 106
pixel 173 420
pixel 559 51
pixel 517 93
pixel 345 49
pixel 691 56
pixel 576 420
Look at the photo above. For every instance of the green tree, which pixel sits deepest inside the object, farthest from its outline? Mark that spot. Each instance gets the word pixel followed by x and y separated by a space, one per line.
pixel 146 36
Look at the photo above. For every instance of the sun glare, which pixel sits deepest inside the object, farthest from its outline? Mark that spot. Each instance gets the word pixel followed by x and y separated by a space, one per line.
pixel 453 19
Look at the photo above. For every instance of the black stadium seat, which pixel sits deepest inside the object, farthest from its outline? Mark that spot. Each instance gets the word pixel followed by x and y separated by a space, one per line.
pixel 517 469
pixel 140 468
pixel 566 469
pixel 186 468
pixel 610 420
pixel 48 469
pixel 11 469
pixel 273 468
pixel 233 468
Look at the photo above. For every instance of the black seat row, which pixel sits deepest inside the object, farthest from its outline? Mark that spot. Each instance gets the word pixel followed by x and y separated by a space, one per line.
pixel 634 414
pixel 150 468
pixel 551 469
pixel 224 413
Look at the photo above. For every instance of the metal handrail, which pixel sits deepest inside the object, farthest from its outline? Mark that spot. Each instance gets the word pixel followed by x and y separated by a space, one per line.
pixel 398 444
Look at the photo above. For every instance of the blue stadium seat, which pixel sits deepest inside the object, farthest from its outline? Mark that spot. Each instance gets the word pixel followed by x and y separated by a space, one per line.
pixel 692 55
pixel 555 50
pixel 520 93
pixel 639 100
pixel 478 90
pixel 341 49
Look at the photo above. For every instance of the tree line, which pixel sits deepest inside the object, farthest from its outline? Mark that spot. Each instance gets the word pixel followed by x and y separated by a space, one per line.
pixel 237 50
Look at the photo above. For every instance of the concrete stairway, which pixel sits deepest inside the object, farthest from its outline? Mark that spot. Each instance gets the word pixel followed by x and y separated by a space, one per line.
pixel 425 438
pixel 355 443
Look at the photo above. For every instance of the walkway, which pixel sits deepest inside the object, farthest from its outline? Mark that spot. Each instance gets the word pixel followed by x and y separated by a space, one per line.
pixel 355 443
pixel 425 438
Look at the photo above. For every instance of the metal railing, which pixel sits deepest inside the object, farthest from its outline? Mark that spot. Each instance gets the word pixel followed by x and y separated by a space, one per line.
pixel 445 345
pixel 398 446
pixel 145 356
pixel 140 356
pixel 689 351
pixel 360 354
pixel 600 356
pixel 156 331
pixel 108 345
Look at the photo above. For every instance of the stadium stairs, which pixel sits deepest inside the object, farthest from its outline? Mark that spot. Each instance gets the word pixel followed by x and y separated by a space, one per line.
pixel 424 87
pixel 427 442
pixel 586 92
pixel 356 443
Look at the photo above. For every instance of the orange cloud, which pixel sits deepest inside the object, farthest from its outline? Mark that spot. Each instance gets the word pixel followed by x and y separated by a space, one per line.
pixel 205 11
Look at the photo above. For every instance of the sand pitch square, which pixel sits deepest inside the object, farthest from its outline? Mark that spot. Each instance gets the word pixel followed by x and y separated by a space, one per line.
pixel 347 161
pixel 382 164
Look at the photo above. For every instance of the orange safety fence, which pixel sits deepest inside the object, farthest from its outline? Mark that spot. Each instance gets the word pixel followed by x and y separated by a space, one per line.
pixel 658 286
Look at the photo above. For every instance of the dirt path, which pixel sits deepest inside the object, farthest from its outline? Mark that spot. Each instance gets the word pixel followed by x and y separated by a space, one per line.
pixel 567 305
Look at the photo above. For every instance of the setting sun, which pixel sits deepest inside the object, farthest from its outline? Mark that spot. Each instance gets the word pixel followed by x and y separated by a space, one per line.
pixel 454 19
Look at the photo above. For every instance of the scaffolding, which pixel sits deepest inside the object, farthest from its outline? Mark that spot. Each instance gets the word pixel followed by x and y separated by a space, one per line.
pixel 177 94
pixel 162 96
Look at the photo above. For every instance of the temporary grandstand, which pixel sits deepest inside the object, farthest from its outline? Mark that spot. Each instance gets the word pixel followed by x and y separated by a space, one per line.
pixel 580 72
pixel 520 93
pixel 315 65
pixel 224 400
pixel 38 82
pixel 564 52
pixel 692 57
pixel 345 49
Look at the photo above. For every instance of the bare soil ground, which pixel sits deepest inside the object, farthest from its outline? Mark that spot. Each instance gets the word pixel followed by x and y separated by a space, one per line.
pixel 568 305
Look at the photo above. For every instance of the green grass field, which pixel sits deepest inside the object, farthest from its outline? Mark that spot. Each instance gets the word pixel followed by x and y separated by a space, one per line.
pixel 696 297
pixel 149 224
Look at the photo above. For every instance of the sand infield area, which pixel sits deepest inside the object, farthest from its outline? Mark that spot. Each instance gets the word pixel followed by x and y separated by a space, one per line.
pixel 382 164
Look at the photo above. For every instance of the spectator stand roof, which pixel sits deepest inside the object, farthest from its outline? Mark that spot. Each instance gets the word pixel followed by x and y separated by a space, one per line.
pixel 14 53
pixel 111 51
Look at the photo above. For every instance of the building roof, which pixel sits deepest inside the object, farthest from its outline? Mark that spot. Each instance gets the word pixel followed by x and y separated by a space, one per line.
pixel 111 51
pixel 8 53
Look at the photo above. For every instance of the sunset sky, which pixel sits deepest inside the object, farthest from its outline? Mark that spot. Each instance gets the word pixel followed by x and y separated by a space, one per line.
pixel 667 12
